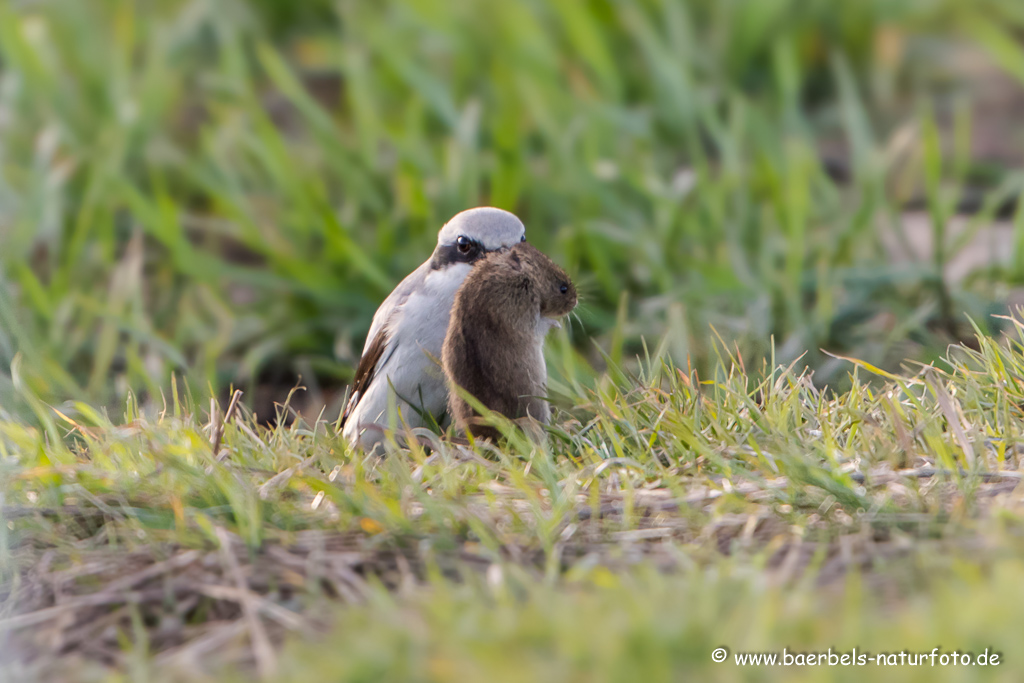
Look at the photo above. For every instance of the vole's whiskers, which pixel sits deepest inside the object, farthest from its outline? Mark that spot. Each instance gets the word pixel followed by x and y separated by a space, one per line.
pixel 575 314
pixel 585 286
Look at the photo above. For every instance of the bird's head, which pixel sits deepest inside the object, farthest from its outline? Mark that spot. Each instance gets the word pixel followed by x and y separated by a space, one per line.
pixel 474 233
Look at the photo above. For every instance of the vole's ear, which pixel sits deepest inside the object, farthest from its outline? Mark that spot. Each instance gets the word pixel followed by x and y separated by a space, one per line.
pixel 516 263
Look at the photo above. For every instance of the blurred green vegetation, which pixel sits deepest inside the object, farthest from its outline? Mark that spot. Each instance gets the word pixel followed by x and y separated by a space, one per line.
pixel 656 628
pixel 225 190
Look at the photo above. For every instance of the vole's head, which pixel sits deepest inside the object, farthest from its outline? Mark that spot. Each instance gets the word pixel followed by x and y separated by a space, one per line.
pixel 556 292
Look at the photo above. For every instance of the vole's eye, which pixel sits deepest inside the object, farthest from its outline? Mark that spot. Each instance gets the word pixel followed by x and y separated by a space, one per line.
pixel 564 288
pixel 523 239
pixel 464 244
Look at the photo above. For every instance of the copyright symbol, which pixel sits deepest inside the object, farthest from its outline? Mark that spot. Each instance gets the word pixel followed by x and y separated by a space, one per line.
pixel 719 654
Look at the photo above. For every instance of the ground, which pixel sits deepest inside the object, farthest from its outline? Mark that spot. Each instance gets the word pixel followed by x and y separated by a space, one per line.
pixel 664 516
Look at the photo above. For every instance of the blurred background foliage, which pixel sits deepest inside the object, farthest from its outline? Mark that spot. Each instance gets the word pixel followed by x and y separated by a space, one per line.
pixel 225 190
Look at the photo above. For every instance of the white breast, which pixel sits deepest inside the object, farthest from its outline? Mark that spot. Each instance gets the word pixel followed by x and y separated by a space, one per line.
pixel 410 363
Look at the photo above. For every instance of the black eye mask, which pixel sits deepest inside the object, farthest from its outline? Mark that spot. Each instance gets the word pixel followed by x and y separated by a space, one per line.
pixel 462 250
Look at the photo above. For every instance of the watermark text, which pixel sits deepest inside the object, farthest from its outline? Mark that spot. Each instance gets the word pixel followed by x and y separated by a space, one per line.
pixel 856 657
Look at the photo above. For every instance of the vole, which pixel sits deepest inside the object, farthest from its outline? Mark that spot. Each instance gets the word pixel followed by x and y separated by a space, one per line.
pixel 493 348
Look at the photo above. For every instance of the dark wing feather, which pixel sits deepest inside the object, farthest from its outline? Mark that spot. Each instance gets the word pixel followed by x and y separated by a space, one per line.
pixel 364 372
pixel 378 338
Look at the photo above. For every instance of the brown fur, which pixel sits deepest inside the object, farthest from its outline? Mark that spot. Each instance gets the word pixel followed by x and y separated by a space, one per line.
pixel 493 348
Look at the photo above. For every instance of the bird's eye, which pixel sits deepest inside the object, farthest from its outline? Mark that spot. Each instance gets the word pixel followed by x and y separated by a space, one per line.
pixel 464 244
pixel 523 238
pixel 564 288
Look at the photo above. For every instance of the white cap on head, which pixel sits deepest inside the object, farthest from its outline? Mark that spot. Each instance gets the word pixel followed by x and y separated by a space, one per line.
pixel 492 228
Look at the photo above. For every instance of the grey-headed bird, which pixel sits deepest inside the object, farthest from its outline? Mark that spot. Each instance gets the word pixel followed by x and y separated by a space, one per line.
pixel 403 346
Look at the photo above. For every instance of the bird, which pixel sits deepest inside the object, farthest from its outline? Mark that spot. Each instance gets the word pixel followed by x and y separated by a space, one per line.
pixel 400 363
pixel 494 348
